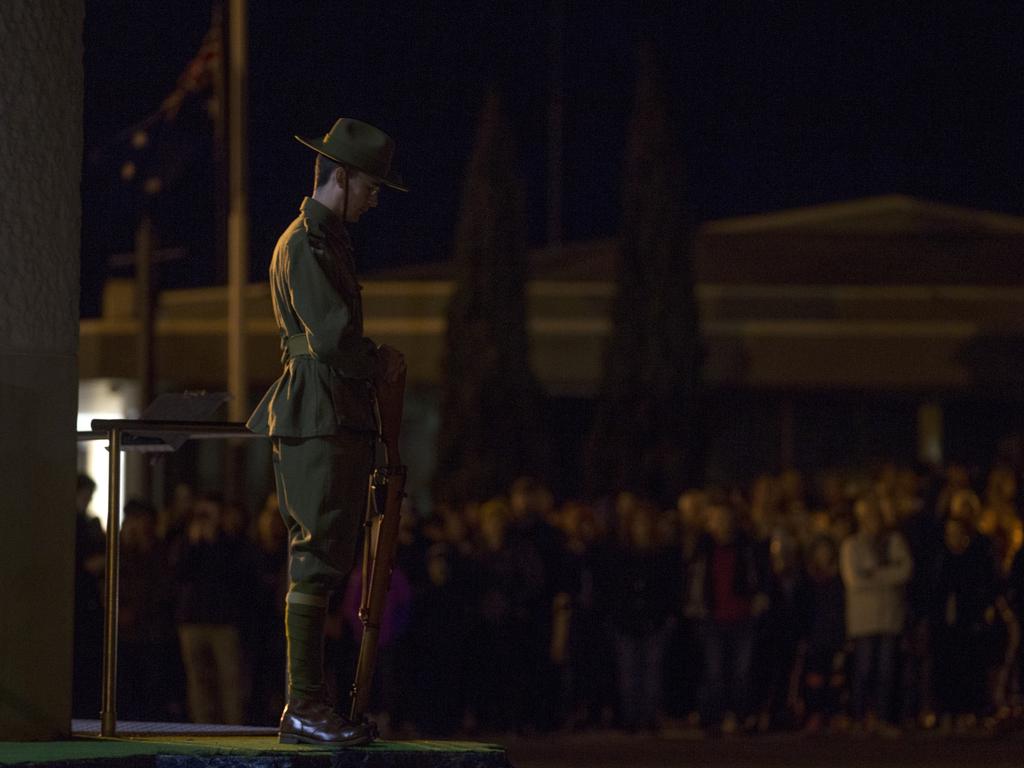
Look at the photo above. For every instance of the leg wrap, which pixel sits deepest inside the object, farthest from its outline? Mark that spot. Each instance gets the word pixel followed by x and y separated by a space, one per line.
pixel 304 624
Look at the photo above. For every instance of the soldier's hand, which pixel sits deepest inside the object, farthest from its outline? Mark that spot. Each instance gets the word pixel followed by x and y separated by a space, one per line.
pixel 390 364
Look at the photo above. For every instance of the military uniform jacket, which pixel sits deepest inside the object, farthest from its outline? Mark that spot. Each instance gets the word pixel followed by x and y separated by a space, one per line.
pixel 328 364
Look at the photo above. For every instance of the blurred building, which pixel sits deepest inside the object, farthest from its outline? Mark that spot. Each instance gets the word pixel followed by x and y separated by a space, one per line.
pixel 834 334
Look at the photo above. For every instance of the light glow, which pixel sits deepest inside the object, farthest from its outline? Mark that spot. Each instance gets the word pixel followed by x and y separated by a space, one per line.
pixel 102 399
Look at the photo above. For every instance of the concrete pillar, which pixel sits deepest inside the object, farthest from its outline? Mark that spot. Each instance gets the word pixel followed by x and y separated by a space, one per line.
pixel 40 209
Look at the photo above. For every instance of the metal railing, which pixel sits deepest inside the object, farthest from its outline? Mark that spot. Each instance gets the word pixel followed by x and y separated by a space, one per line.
pixel 113 430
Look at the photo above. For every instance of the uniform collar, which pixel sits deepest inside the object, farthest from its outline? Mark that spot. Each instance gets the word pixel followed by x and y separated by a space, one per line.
pixel 323 218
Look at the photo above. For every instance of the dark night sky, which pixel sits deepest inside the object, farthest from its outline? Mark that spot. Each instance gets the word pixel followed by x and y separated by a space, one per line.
pixel 799 105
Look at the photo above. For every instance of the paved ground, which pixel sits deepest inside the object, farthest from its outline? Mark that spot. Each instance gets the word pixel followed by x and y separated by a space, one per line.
pixel 613 750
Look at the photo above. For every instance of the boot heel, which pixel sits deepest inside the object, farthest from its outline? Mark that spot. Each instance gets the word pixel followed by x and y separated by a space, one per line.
pixel 287 738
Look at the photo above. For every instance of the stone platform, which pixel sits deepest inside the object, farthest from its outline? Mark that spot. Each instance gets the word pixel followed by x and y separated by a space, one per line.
pixel 240 748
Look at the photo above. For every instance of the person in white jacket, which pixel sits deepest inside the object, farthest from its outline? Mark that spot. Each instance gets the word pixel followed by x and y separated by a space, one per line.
pixel 875 565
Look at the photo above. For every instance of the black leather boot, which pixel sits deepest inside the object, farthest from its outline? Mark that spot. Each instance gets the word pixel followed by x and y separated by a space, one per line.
pixel 313 722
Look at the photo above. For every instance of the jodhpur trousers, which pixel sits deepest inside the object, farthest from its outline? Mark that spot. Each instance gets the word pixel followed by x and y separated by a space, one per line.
pixel 322 486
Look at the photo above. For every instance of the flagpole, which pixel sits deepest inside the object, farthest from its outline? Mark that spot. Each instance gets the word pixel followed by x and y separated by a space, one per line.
pixel 220 135
pixel 556 108
pixel 238 225
pixel 145 341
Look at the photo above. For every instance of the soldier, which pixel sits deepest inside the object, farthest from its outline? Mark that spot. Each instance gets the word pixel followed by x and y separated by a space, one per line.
pixel 320 414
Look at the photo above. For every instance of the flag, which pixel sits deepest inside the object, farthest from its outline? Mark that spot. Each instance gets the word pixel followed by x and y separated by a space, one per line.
pixel 150 156
pixel 200 76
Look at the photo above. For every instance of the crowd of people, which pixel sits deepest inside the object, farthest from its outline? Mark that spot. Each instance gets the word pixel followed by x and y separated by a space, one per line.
pixel 873 601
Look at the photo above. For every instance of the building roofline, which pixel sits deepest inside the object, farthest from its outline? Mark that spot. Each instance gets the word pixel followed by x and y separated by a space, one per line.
pixel 830 213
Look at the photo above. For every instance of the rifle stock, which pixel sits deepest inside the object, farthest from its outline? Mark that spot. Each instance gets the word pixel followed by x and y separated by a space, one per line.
pixel 380 541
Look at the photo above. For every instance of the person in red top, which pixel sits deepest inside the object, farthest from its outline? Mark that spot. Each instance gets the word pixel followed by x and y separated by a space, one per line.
pixel 723 589
pixel 728 605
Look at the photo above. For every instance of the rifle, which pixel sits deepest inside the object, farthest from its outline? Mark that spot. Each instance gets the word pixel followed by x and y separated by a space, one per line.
pixel 380 539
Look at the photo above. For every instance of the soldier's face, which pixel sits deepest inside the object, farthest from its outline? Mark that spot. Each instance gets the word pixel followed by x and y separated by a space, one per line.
pixel 362 195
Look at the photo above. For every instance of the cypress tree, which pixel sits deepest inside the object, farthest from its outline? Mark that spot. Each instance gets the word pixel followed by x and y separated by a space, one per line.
pixel 490 411
pixel 646 434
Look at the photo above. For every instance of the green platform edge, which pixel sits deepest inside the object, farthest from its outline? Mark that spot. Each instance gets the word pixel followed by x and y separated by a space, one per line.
pixel 98 748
